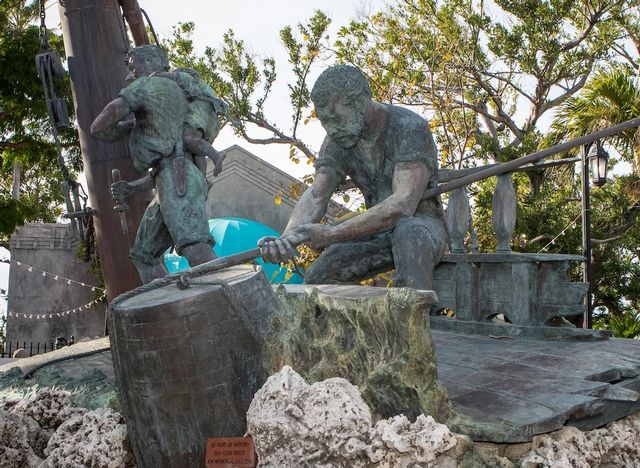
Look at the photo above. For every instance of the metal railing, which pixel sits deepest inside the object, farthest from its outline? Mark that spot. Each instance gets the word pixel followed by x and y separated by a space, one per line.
pixel 30 347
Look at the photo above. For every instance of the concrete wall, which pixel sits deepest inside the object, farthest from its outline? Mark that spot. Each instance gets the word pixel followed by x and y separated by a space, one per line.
pixel 50 247
pixel 247 188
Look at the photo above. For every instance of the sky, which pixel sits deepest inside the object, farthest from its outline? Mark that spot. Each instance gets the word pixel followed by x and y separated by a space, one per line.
pixel 257 22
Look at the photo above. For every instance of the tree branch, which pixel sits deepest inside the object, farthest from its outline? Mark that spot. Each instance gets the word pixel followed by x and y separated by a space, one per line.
pixel 508 82
pixel 605 241
pixel 545 106
pixel 502 115
pixel 280 138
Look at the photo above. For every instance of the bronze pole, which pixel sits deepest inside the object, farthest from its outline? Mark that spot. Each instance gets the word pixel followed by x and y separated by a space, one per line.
pixel 511 166
pixel 95 45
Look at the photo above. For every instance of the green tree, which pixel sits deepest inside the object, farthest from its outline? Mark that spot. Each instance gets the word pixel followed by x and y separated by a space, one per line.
pixel 611 96
pixel 28 157
pixel 245 82
pixel 488 77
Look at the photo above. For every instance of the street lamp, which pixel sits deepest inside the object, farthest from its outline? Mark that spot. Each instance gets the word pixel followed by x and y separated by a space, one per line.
pixel 598 159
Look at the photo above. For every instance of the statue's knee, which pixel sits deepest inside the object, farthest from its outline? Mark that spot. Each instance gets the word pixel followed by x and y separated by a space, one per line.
pixel 150 270
pixel 429 233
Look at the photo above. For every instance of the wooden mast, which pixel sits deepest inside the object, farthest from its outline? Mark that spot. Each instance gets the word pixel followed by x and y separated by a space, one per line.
pixel 96 43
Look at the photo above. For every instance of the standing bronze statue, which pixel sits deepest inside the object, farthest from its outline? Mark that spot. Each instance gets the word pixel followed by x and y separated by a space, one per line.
pixel 175 119
pixel 389 154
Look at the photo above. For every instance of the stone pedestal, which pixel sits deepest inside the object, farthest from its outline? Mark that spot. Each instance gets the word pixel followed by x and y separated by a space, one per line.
pixel 376 338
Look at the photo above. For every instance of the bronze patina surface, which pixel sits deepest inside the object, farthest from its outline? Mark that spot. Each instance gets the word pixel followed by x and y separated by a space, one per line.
pixel 175 118
pixel 389 154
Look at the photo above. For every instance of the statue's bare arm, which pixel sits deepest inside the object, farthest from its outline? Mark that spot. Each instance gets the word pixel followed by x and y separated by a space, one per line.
pixel 410 180
pixel 111 123
pixel 310 209
pixel 314 201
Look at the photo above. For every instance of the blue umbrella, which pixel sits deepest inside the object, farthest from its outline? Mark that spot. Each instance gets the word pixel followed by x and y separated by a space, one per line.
pixel 234 235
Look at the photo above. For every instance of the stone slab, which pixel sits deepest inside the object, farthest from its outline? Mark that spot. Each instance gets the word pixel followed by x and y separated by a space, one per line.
pixel 508 390
pixel 75 351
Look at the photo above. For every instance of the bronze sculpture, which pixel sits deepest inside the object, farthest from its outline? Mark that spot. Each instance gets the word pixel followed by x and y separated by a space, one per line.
pixel 389 154
pixel 166 140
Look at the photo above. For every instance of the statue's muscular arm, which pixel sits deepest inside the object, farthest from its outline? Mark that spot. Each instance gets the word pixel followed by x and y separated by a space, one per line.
pixel 110 124
pixel 310 209
pixel 410 180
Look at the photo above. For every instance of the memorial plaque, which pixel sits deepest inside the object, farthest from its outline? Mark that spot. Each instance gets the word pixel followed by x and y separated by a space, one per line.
pixel 231 452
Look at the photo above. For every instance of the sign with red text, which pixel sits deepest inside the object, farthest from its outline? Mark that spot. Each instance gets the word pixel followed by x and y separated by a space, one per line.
pixel 231 452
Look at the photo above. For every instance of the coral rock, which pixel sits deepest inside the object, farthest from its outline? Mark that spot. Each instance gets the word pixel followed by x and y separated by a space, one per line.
pixel 618 444
pixel 50 408
pixel 328 424
pixel 18 434
pixel 293 422
pixel 97 438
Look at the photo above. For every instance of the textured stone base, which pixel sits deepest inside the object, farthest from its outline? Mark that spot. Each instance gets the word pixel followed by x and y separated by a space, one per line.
pixel 46 431
pixel 376 338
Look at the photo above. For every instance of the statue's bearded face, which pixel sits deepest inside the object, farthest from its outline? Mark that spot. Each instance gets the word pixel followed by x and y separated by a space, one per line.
pixel 343 118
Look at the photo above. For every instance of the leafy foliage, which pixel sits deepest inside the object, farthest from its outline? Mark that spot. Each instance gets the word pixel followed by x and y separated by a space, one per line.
pixel 25 134
pixel 245 83
pixel 611 96
pixel 488 77
pixel 626 325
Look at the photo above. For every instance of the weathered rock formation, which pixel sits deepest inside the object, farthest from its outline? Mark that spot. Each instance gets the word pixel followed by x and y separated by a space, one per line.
pixel 46 431
pixel 96 438
pixel 616 445
pixel 328 424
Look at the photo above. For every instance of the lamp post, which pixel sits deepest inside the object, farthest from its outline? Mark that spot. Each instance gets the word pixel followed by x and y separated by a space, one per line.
pixel 597 158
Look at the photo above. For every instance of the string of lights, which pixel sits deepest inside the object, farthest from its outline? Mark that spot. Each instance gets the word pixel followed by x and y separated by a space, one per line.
pixel 553 241
pixel 56 315
pixel 56 277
